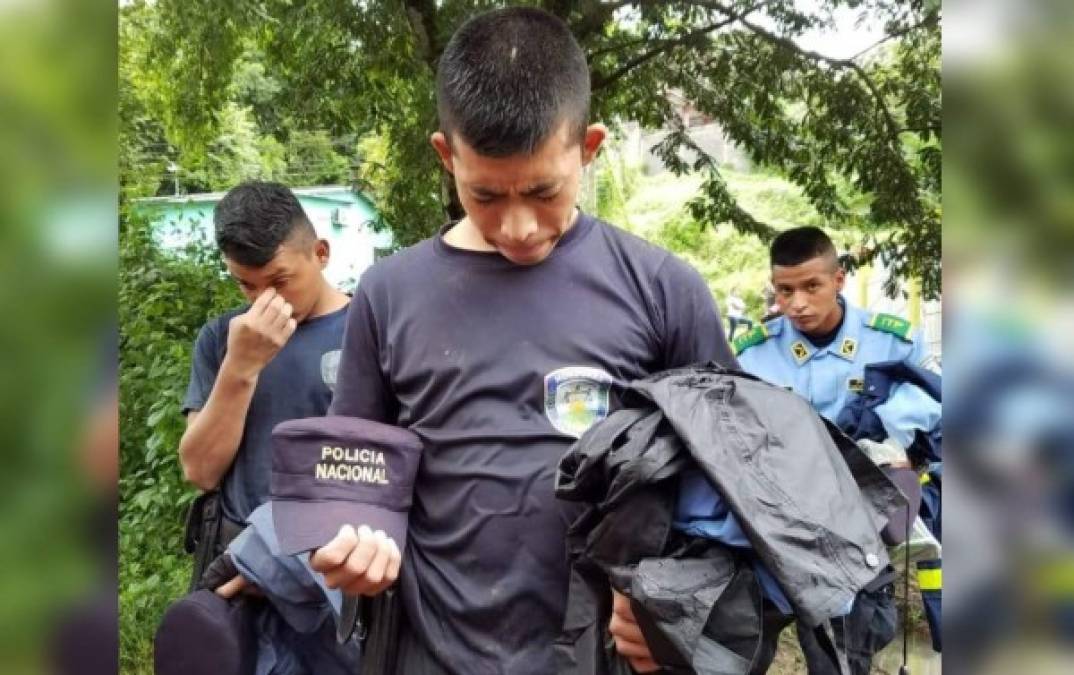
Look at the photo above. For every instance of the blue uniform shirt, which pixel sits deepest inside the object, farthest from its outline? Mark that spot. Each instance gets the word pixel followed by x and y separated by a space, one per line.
pixel 830 376
pixel 827 377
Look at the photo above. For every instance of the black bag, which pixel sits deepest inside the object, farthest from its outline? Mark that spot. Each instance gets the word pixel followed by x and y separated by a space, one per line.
pixel 208 533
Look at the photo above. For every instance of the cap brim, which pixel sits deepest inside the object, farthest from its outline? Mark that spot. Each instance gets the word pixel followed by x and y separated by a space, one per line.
pixel 305 525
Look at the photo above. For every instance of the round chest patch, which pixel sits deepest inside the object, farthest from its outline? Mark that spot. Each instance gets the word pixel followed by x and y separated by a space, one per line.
pixel 576 398
pixel 330 368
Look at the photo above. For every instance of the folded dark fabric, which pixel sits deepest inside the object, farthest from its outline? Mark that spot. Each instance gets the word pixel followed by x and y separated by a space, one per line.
pixel 809 501
pixel 204 633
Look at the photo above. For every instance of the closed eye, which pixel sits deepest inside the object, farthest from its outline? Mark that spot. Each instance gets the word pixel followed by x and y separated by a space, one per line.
pixel 483 196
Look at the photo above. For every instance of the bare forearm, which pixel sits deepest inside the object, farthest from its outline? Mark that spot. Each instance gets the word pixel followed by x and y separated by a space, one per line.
pixel 213 434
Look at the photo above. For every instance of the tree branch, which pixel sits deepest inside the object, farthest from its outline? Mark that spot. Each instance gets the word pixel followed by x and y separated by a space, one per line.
pixel 934 129
pixel 616 47
pixel 600 13
pixel 787 43
pixel 929 20
pixel 421 15
pixel 601 81
pixel 717 203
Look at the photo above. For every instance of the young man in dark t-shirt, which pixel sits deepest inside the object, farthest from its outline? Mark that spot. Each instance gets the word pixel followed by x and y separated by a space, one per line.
pixel 497 341
pixel 271 361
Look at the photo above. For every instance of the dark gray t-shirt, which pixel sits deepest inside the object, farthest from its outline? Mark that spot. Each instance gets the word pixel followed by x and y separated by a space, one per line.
pixel 497 367
pixel 296 383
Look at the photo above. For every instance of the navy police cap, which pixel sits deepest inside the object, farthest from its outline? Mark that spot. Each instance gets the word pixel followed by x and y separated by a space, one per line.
pixel 333 471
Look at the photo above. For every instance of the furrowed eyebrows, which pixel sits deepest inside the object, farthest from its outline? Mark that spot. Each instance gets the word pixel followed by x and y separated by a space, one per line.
pixel 543 186
pixel 482 191
pixel 537 188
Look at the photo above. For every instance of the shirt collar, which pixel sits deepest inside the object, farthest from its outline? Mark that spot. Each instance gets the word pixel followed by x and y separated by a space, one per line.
pixel 845 344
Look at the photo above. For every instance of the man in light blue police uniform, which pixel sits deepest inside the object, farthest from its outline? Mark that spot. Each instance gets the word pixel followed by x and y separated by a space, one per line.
pixel 819 348
pixel 821 344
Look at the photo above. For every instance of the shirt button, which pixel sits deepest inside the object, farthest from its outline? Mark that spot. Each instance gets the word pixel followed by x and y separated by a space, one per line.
pixel 871 560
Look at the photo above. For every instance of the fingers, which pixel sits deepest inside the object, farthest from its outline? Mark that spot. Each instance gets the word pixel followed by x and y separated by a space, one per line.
pixel 357 562
pixel 629 640
pixel 361 562
pixel 621 606
pixel 627 630
pixel 395 562
pixel 334 553
pixel 279 319
pixel 272 308
pixel 631 650
pixel 232 588
pixel 263 300
pixel 272 311
pixel 376 577
pixel 283 316
pixel 379 566
pixel 276 319
pixel 644 665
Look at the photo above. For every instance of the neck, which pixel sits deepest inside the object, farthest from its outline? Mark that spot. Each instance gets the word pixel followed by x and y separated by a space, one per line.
pixel 831 324
pixel 465 236
pixel 329 300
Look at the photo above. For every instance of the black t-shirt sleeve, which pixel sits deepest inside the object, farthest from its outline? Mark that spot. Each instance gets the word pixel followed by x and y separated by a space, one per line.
pixel 204 367
pixel 362 385
pixel 692 329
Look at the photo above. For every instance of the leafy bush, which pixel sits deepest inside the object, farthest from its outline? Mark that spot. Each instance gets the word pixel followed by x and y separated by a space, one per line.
pixel 164 298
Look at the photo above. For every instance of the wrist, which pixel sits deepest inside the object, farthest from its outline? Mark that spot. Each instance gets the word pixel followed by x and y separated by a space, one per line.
pixel 237 372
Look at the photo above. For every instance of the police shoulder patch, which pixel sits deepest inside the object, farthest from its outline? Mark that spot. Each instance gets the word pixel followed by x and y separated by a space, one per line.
pixel 754 337
pixel 888 323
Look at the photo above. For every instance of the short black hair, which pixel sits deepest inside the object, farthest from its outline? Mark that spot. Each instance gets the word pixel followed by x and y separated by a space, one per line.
pixel 255 218
pixel 509 78
pixel 797 245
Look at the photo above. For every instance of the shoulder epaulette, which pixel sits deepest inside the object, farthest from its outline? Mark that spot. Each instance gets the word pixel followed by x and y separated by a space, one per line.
pixel 888 323
pixel 754 337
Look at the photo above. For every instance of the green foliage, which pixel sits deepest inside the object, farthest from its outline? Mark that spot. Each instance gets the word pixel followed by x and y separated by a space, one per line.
pixel 659 211
pixel 725 257
pixel 616 184
pixel 247 135
pixel 238 152
pixel 312 160
pixel 164 298
pixel 860 137
pixel 611 194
